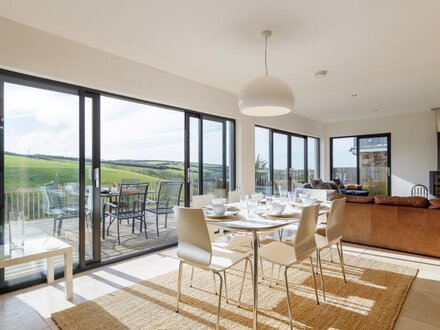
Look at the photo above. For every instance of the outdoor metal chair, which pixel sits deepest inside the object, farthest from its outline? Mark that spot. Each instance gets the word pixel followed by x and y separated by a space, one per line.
pixel 168 196
pixel 130 204
pixel 420 191
pixel 55 205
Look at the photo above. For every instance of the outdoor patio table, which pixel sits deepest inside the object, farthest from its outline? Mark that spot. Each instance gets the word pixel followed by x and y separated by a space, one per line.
pixel 255 226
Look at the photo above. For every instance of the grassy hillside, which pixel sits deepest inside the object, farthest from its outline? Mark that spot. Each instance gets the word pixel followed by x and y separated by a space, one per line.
pixel 22 172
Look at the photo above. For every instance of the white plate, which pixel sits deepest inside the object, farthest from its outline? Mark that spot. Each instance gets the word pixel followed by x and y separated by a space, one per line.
pixel 282 215
pixel 215 216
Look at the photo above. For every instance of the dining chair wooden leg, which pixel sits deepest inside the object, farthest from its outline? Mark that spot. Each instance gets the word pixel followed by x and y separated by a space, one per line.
pixel 226 287
pixel 288 298
pixel 166 220
pixel 314 281
pixel 132 226
pixel 242 281
pixel 271 275
pixel 179 285
pixel 215 284
pixel 219 300
pixel 192 275
pixel 318 256
pixel 278 276
pixel 341 259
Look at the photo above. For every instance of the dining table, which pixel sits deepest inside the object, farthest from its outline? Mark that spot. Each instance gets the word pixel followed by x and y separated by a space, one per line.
pixel 262 222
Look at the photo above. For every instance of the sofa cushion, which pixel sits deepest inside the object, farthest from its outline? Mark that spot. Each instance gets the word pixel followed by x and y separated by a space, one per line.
pixel 420 202
pixel 354 192
pixel 316 183
pixel 434 203
pixel 339 183
pixel 353 199
pixel 333 185
pixel 386 200
pixel 353 186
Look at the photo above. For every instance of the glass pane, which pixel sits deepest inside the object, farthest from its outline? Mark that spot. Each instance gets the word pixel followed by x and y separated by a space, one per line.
pixel 41 169
pixel 140 143
pixel 344 159
pixel 194 156
pixel 298 167
pixel 262 172
pixel 213 158
pixel 88 178
pixel 230 184
pixel 280 162
pixel 373 162
pixel 313 158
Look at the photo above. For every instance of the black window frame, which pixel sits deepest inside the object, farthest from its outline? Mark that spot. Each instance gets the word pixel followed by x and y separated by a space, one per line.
pixel 273 131
pixel 95 94
pixel 358 137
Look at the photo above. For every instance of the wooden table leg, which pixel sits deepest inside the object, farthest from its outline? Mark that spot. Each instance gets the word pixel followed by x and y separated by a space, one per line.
pixel 68 274
pixel 50 270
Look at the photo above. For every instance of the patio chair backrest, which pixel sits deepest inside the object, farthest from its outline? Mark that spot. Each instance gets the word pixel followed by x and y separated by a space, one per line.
pixel 132 198
pixel 305 243
pixel 169 194
pixel 51 196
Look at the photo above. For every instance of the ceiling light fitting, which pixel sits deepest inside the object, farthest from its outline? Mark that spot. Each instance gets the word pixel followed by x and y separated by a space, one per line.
pixel 266 95
pixel 321 74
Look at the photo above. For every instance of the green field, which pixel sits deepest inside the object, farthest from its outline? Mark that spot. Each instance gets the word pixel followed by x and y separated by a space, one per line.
pixel 23 172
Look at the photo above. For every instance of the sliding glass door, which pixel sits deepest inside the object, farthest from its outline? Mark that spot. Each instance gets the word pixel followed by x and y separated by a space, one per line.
pixel 65 151
pixel 374 164
pixel 280 162
pixel 211 159
pixel 364 160
pixel 41 169
pixel 284 160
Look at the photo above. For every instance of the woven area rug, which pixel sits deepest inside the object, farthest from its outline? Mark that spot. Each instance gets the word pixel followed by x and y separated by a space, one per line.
pixel 371 299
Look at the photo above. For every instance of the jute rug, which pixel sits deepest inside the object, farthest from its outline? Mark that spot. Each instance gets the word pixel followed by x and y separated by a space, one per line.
pixel 371 299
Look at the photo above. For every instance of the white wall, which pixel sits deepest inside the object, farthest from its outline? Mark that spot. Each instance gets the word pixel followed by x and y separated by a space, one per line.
pixel 413 146
pixel 27 50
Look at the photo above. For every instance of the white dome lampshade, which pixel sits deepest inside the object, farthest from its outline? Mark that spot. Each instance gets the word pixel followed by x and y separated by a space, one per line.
pixel 266 96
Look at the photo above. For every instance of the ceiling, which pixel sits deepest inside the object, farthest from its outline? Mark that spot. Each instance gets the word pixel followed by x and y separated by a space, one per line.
pixel 386 52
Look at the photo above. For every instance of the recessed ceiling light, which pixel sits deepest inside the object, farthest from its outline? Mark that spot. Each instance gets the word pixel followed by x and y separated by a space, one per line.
pixel 376 110
pixel 321 74
pixel 354 95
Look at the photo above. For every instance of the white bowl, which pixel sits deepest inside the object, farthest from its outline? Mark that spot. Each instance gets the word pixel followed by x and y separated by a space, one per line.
pixel 218 201
pixel 308 201
pixel 219 209
pixel 304 195
pixel 277 208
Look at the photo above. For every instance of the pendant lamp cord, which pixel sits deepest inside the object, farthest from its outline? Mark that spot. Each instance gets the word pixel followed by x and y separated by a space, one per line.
pixel 265 54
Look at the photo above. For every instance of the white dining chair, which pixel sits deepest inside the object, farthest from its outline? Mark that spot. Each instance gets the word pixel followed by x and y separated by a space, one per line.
pixel 301 249
pixel 216 234
pixel 331 234
pixel 195 249
pixel 234 196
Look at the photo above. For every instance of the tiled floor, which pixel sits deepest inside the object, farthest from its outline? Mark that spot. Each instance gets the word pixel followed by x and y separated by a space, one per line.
pixel 31 308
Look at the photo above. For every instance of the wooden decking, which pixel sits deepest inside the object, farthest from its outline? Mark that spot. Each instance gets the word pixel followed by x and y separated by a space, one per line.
pixel 130 242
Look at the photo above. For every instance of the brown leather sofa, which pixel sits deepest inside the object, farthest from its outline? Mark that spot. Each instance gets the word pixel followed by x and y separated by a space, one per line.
pixel 410 224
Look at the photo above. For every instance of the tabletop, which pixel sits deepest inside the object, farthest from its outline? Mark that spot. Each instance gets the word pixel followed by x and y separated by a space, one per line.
pixel 260 223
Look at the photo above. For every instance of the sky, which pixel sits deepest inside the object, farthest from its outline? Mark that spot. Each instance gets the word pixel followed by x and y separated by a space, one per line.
pixel 39 121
